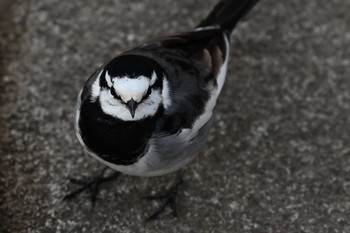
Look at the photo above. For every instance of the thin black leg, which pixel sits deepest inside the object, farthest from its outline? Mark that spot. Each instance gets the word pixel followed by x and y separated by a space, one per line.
pixel 168 197
pixel 92 185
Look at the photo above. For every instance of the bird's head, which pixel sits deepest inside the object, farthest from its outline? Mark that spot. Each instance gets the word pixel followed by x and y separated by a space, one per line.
pixel 131 88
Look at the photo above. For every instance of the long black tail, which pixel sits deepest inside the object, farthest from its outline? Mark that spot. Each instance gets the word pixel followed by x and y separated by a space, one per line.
pixel 227 13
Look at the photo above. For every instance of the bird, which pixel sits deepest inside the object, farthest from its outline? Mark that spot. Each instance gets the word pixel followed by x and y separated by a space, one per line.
pixel 148 111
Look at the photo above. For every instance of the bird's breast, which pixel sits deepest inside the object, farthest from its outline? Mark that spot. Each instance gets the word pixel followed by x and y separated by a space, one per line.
pixel 115 141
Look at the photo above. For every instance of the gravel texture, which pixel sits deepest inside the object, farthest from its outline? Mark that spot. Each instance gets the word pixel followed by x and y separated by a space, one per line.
pixel 278 157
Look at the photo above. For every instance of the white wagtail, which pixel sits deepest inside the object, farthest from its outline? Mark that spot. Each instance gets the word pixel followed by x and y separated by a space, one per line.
pixel 148 111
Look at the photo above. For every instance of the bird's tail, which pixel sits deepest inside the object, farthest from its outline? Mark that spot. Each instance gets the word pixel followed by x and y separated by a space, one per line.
pixel 227 13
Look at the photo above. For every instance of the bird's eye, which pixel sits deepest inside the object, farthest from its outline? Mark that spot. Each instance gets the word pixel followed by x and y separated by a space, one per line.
pixel 114 94
pixel 149 92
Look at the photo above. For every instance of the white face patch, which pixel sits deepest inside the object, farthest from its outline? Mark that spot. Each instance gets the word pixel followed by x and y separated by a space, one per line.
pixel 115 108
pixel 95 88
pixel 127 89
pixel 108 80
pixel 153 78
pixel 131 88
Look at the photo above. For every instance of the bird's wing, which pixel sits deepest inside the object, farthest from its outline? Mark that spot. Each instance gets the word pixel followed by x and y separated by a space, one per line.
pixel 190 43
pixel 192 62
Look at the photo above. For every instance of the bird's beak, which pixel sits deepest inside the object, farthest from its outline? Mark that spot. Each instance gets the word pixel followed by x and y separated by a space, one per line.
pixel 131 105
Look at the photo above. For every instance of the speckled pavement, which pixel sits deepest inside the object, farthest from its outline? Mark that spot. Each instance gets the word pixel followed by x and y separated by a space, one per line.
pixel 278 156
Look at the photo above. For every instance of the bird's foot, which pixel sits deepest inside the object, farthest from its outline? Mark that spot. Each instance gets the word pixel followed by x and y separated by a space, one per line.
pixel 92 185
pixel 168 198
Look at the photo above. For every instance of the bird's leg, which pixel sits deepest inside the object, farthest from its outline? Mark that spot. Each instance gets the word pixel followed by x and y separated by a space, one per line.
pixel 168 198
pixel 92 185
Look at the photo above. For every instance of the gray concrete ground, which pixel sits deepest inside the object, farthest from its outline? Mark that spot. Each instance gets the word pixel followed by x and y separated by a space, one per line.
pixel 278 157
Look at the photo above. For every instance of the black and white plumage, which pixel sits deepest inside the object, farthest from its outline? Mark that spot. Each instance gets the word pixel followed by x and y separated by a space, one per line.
pixel 148 111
